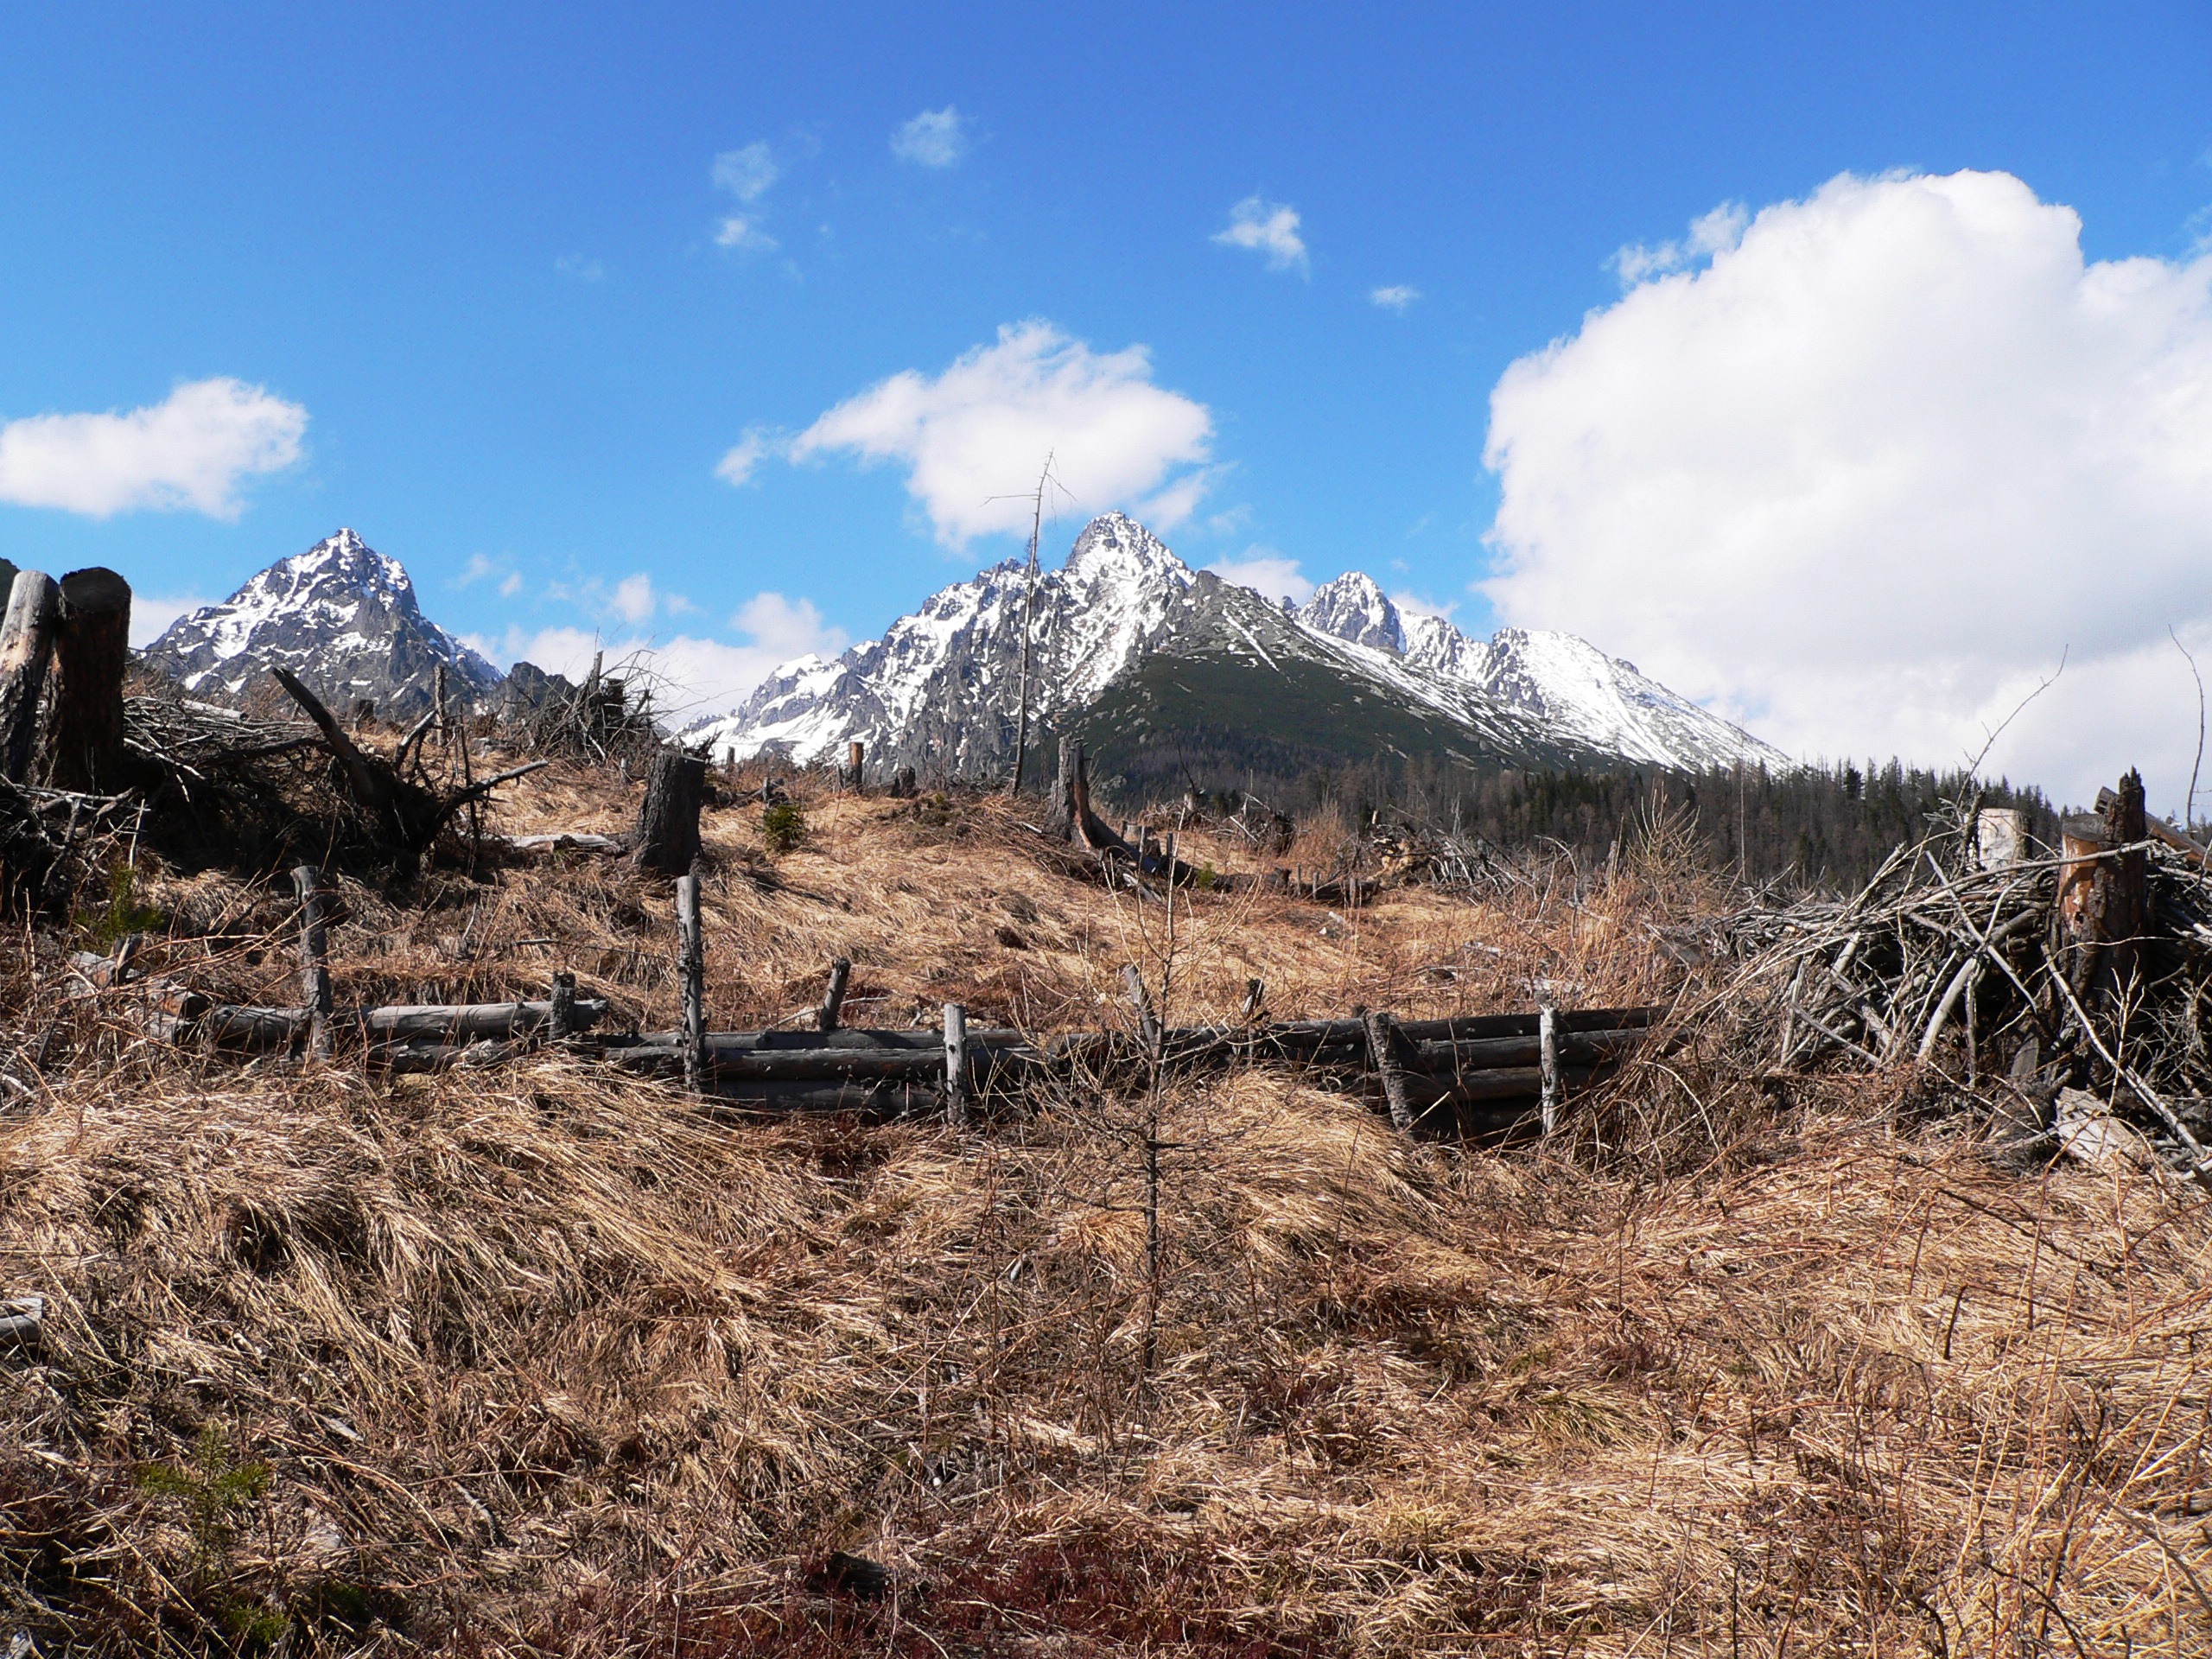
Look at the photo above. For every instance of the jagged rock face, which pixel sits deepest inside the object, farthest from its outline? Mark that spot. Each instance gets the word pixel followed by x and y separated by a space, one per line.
pixel 1354 607
pixel 342 616
pixel 939 689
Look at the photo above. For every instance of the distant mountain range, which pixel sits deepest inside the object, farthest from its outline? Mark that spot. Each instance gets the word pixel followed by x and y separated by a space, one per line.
pixel 1158 667
pixel 1146 657
pixel 342 616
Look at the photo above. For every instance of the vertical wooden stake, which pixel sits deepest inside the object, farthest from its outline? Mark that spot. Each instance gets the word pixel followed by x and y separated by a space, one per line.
pixel 1383 1049
pixel 825 1017
pixel 956 1065
pixel 1548 1058
pixel 315 962
pixel 562 1017
pixel 857 752
pixel 691 961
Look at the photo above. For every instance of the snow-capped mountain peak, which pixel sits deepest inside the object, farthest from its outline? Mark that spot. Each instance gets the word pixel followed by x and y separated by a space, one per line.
pixel 1355 607
pixel 341 615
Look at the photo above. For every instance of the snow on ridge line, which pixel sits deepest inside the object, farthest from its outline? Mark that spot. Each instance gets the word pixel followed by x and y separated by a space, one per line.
pixel 1105 607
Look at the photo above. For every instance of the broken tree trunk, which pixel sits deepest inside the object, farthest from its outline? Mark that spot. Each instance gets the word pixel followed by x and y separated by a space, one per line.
pixel 26 648
pixel 410 815
pixel 91 649
pixel 1072 819
pixel 1383 1049
pixel 668 822
pixel 2104 901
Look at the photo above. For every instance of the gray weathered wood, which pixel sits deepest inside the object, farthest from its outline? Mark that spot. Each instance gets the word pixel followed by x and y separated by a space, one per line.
pixel 20 1318
pixel 833 998
pixel 956 1065
pixel 1547 1063
pixel 414 1022
pixel 315 961
pixel 561 1007
pixel 692 964
pixel 26 652
pixel 1382 1048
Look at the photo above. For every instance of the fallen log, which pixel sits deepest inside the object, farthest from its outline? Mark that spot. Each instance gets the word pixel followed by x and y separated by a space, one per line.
pixel 472 1021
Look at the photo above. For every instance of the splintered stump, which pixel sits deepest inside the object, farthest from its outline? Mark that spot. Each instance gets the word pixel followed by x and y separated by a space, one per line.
pixel 668 822
pixel 91 649
pixel 2104 893
pixel 26 650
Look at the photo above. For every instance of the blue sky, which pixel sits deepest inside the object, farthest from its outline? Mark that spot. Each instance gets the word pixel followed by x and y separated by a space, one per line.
pixel 488 253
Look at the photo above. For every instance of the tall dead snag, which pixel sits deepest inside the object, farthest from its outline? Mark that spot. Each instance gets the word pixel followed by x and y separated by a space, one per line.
pixel 91 649
pixel 26 648
pixel 667 820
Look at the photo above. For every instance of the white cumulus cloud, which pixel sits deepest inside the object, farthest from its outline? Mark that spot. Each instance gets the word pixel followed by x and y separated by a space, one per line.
pixel 1860 481
pixel 1266 571
pixel 934 138
pixel 1268 228
pixel 982 429
pixel 1395 297
pixel 190 452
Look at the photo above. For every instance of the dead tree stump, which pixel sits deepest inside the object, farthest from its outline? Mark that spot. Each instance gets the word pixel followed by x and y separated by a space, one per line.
pixel 26 648
pixel 91 649
pixel 668 822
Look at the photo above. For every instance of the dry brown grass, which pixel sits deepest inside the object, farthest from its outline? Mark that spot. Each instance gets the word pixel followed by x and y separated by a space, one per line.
pixel 544 1362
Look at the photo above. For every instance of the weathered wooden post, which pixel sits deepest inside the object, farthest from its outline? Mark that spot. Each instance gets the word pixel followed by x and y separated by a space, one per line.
pixel 91 649
pixel 1383 1049
pixel 956 1065
pixel 692 964
pixel 26 648
pixel 857 752
pixel 825 1017
pixel 560 1014
pixel 668 820
pixel 1547 1063
pixel 315 961
pixel 2000 837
